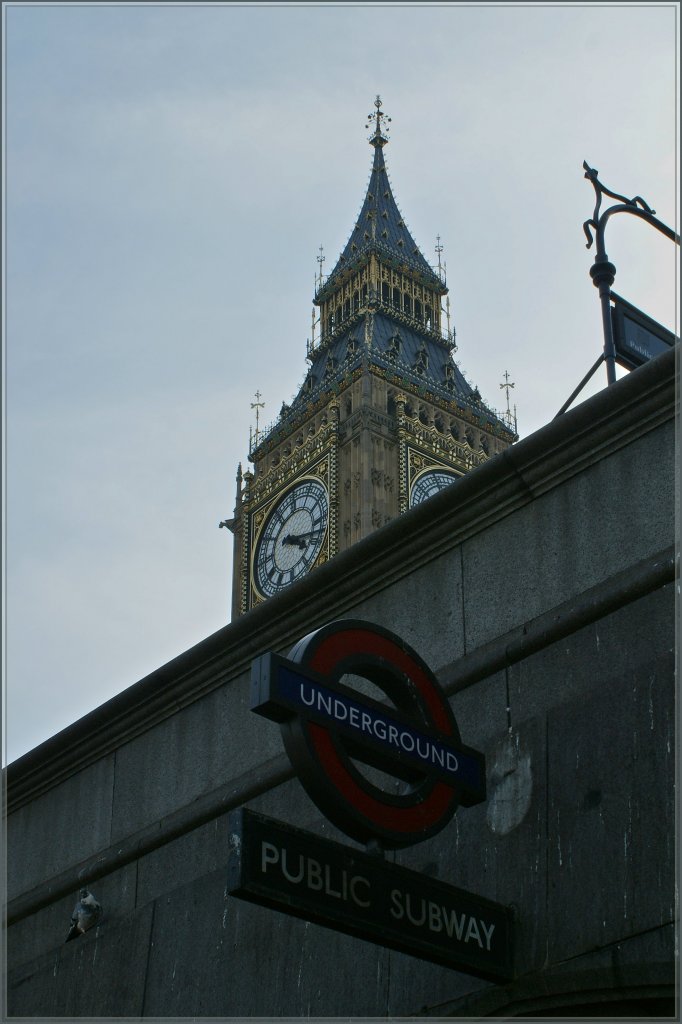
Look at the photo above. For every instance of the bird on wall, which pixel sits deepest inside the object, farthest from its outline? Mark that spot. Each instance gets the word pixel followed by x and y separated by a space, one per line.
pixel 86 914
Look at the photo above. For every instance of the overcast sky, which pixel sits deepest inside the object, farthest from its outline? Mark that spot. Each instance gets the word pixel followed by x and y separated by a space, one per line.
pixel 170 174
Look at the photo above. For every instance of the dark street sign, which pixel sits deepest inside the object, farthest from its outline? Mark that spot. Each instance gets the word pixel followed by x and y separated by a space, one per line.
pixel 637 338
pixel 296 872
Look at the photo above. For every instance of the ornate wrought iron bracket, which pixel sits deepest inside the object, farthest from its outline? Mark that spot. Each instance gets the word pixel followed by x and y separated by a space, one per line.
pixel 602 271
pixel 637 205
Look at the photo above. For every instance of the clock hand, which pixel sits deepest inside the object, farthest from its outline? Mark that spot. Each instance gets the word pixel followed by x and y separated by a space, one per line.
pixel 294 541
pixel 300 539
pixel 311 533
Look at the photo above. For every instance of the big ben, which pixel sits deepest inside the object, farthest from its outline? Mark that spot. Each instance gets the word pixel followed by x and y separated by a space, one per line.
pixel 384 418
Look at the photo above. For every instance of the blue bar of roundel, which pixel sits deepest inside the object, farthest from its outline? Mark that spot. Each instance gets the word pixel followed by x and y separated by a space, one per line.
pixel 288 686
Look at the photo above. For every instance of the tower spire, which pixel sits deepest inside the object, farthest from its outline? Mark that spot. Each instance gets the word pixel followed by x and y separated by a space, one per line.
pixel 380 225
pixel 379 138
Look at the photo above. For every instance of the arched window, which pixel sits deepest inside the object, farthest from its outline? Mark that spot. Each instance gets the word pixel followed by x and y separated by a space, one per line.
pixel 346 309
pixel 356 300
pixel 407 304
pixel 396 297
pixel 417 309
pixel 385 293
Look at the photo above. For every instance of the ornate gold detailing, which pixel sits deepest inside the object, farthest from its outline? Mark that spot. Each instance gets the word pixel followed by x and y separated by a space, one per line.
pixel 332 487
pixel 429 437
pixel 462 455
pixel 291 462
pixel 464 460
pixel 258 520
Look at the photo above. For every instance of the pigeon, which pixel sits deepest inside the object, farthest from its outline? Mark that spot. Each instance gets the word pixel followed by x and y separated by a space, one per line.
pixel 86 914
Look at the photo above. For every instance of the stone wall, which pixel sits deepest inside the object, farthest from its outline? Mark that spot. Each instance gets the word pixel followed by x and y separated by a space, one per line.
pixel 541 590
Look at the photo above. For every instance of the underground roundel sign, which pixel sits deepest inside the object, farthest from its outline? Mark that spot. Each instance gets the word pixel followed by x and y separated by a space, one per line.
pixel 369 732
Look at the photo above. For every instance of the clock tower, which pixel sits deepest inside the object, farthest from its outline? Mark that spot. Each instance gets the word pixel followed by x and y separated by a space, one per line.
pixel 384 418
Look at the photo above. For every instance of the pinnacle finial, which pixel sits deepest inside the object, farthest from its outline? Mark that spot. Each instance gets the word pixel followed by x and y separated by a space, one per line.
pixel 508 417
pixel 320 259
pixel 507 385
pixel 380 135
pixel 254 435
pixel 439 249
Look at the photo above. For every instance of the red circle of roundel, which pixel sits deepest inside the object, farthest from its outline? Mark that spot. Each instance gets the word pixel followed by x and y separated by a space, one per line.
pixel 323 760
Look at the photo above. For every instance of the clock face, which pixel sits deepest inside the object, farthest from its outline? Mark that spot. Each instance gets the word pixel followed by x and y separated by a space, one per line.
pixel 429 483
pixel 292 537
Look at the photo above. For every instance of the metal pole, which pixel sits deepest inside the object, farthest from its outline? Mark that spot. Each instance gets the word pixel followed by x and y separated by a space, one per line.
pixel 582 384
pixel 603 275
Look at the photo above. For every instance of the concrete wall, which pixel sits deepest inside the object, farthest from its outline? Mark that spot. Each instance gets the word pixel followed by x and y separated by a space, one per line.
pixel 541 590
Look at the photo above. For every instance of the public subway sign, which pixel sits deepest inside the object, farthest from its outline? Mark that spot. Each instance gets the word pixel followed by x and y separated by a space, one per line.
pixel 290 870
pixel 329 726
pixel 375 744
